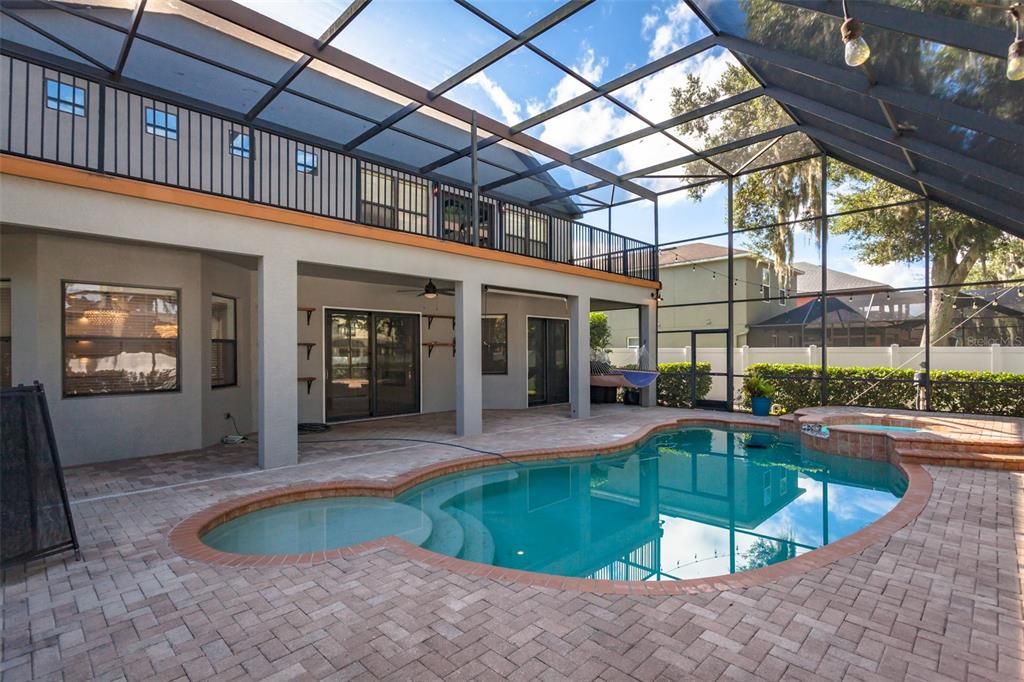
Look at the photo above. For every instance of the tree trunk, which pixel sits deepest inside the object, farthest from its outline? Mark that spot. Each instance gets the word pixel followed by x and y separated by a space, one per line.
pixel 946 270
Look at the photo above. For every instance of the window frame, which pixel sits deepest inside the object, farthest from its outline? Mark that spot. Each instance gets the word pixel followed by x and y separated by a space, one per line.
pixel 5 283
pixel 392 209
pixel 59 103
pixel 631 346
pixel 494 316
pixel 233 341
pixel 157 129
pixel 242 151
pixel 302 164
pixel 64 340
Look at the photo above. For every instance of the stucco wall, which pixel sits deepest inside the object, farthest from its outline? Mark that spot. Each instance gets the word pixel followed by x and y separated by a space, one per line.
pixel 163 244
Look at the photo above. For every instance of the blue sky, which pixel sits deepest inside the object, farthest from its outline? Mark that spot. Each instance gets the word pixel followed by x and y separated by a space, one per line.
pixel 427 41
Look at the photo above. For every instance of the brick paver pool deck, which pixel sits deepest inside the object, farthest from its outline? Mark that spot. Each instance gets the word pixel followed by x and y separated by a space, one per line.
pixel 938 599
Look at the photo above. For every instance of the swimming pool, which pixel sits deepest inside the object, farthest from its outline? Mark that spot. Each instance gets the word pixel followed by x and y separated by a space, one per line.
pixel 690 503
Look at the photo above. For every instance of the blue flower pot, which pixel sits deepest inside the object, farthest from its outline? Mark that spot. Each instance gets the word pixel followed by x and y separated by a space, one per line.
pixel 761 407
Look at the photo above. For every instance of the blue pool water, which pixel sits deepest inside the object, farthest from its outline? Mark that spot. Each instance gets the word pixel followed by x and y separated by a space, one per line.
pixel 690 503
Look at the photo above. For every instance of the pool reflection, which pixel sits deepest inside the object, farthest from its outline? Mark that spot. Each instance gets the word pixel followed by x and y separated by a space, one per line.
pixel 693 503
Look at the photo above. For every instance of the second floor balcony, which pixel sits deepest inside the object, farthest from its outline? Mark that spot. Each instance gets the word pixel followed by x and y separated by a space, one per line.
pixel 66 118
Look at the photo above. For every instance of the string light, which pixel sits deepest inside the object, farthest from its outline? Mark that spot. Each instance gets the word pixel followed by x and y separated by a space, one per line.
pixel 856 51
pixel 1015 55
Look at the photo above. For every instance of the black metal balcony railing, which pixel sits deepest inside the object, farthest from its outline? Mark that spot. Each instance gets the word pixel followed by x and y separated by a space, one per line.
pixel 71 120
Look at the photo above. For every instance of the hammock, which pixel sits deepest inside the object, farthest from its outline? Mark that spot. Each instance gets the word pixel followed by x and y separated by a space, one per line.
pixel 628 378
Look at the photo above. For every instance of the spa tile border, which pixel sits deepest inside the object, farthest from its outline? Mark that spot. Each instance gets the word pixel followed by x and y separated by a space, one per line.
pixel 185 536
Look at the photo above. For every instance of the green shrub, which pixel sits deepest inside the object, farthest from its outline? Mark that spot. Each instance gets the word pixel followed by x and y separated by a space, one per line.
pixel 674 383
pixel 799 386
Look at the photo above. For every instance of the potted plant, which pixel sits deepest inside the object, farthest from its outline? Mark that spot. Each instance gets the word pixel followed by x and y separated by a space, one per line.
pixel 760 393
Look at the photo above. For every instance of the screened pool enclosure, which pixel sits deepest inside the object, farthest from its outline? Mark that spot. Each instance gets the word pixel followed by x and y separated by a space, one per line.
pixel 598 134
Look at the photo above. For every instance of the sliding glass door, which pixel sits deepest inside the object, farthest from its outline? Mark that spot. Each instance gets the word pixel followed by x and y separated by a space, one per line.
pixel 372 364
pixel 547 359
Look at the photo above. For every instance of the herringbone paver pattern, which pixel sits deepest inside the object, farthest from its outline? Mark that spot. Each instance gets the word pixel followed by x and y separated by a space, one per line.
pixel 939 600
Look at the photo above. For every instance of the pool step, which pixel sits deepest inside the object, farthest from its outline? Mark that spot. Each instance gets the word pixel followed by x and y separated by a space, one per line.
pixel 479 543
pixel 976 460
pixel 447 536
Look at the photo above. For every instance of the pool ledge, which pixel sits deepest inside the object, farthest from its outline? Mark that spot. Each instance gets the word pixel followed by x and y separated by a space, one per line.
pixel 185 537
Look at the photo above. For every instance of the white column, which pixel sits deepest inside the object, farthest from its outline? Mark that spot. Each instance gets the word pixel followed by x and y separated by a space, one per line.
pixel 278 363
pixel 469 388
pixel 579 357
pixel 996 361
pixel 649 338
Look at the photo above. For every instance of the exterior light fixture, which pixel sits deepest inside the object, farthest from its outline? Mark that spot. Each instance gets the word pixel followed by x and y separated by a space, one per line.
pixel 656 295
pixel 1015 56
pixel 857 50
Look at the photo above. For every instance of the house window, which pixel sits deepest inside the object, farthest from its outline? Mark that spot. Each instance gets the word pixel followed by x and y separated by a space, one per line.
pixel 5 333
pixel 394 201
pixel 240 145
pixel 223 331
pixel 766 284
pixel 119 339
pixel 161 123
pixel 632 342
pixel 494 331
pixel 65 97
pixel 306 161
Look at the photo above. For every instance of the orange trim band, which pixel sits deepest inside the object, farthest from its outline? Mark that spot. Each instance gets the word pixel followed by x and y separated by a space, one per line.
pixel 75 177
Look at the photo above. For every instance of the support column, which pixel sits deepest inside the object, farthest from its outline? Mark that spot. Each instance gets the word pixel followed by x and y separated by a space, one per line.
pixel 579 357
pixel 278 367
pixel 469 387
pixel 649 338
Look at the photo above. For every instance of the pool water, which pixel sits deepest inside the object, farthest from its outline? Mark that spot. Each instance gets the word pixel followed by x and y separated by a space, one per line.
pixel 685 504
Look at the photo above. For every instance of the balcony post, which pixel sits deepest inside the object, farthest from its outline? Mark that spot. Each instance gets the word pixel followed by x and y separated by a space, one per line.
pixel 473 165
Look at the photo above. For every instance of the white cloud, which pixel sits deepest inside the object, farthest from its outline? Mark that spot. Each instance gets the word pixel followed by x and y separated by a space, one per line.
pixel 507 107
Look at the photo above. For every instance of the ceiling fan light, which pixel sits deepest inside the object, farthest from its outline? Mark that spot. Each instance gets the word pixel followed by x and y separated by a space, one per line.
pixel 429 295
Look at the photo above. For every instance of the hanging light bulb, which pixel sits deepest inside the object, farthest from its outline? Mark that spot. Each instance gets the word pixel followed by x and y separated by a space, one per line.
pixel 857 50
pixel 1015 56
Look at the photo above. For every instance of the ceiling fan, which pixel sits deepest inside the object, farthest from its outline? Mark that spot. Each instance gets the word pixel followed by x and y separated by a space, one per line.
pixel 430 290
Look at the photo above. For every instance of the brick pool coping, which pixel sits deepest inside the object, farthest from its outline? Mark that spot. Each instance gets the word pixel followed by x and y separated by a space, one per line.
pixel 185 537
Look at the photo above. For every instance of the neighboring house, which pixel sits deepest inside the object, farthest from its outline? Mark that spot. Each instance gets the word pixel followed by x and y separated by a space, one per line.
pixel 697 273
pixel 281 267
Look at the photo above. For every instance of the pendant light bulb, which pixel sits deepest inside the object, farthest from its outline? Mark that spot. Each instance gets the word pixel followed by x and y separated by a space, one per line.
pixel 1015 56
pixel 857 50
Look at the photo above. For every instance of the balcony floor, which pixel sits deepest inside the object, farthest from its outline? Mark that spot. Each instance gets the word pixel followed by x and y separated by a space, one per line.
pixel 939 599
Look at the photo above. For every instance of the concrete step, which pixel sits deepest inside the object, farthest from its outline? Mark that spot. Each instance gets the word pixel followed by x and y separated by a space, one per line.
pixel 479 543
pixel 976 460
pixel 447 536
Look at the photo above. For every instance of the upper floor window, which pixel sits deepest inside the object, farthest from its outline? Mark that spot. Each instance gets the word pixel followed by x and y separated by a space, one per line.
pixel 161 123
pixel 394 201
pixel 119 339
pixel 306 161
pixel 223 330
pixel 240 145
pixel 65 97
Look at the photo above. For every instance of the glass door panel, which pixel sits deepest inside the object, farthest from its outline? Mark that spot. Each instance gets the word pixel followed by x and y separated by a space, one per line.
pixel 348 366
pixel 536 382
pixel 396 364
pixel 547 355
pixel 558 361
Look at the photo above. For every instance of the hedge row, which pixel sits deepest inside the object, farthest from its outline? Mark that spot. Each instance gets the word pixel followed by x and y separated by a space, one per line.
pixel 674 382
pixel 799 386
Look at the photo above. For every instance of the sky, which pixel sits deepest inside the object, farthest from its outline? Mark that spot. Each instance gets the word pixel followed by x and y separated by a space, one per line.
pixel 427 41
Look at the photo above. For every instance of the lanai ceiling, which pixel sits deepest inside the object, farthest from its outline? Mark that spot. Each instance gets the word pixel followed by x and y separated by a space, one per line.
pixel 572 100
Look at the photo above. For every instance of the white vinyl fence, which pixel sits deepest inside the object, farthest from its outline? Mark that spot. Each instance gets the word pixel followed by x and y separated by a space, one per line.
pixel 994 358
